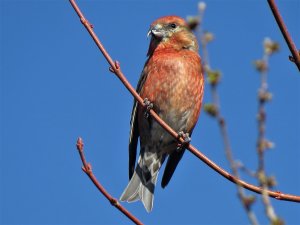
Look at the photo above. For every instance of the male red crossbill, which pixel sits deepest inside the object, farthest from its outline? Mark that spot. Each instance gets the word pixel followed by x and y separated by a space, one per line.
pixel 172 83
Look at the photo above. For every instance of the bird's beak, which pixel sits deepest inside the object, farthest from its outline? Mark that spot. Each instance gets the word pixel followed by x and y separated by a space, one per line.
pixel 156 31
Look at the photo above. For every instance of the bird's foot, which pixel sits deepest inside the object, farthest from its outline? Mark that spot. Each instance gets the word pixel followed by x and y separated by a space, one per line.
pixel 148 107
pixel 186 140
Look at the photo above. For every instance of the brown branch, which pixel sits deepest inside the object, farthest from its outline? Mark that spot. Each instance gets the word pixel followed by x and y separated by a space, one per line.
pixel 285 33
pixel 87 168
pixel 115 67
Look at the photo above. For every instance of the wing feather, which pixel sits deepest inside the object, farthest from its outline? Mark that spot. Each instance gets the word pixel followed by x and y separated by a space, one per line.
pixel 134 129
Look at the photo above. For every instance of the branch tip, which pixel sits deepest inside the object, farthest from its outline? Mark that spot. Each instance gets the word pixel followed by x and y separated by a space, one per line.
pixel 79 144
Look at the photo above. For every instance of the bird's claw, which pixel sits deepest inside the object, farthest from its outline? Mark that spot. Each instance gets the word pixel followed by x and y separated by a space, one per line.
pixel 186 140
pixel 186 137
pixel 148 107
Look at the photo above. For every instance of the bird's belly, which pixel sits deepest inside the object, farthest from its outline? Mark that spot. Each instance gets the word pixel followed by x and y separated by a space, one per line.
pixel 177 121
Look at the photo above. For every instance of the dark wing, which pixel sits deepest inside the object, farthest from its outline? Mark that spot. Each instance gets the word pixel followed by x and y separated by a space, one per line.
pixel 134 129
pixel 172 163
pixel 133 138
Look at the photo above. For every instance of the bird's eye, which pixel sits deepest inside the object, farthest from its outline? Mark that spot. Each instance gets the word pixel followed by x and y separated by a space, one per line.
pixel 173 25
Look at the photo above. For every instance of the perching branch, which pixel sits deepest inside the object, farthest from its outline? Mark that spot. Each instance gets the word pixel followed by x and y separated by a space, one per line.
pixel 87 168
pixel 115 68
pixel 285 33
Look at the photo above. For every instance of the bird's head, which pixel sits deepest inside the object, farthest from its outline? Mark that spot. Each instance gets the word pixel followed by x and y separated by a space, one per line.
pixel 171 32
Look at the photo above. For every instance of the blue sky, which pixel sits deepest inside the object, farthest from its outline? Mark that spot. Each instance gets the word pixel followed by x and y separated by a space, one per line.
pixel 55 86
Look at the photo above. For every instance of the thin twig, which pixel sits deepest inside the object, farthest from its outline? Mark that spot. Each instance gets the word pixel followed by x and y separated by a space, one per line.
pixel 285 33
pixel 262 115
pixel 87 168
pixel 240 166
pixel 115 67
pixel 245 201
pixel 263 97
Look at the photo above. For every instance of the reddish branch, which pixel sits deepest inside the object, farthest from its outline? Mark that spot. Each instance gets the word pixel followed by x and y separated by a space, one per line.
pixel 285 33
pixel 115 68
pixel 87 168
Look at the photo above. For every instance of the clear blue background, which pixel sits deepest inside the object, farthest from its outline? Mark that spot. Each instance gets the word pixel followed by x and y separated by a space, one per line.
pixel 55 86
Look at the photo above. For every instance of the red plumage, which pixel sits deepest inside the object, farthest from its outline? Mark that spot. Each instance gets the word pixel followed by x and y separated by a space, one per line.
pixel 172 80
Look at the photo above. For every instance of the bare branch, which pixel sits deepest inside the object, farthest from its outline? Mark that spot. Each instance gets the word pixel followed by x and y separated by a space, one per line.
pixel 87 168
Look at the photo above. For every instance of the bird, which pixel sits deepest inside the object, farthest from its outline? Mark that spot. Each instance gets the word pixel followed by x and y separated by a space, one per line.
pixel 171 84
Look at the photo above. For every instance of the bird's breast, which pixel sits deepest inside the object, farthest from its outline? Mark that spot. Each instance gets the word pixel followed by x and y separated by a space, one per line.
pixel 174 84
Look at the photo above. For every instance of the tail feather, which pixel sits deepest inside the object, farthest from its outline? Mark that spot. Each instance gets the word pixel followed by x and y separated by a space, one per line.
pixel 131 192
pixel 142 184
pixel 147 198
pixel 135 191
